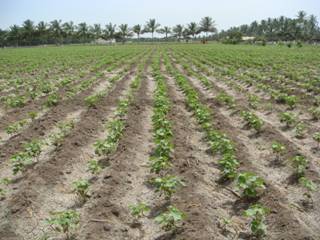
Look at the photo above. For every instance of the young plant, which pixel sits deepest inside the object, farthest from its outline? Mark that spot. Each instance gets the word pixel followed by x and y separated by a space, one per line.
pixel 64 129
pixel 33 115
pixel 253 101
pixel 300 164
pixel 250 184
pixel 300 130
pixel 252 120
pixel 229 165
pixel 33 148
pixel 16 127
pixel 139 210
pixel 291 101
pixel 109 145
pixel 169 220
pixel 4 181
pixel 315 113
pixel 279 150
pixel 64 222
pixel 20 161
pixel 91 101
pixel 52 100
pixel 288 118
pixel 257 213
pixel 224 98
pixel 158 164
pixel 81 187
pixel 167 185
pixel 94 167
pixel 224 223
pixel 310 187
pixel 316 137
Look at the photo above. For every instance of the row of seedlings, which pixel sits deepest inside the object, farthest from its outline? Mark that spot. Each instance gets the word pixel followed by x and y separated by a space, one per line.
pixel 31 151
pixel 248 183
pixel 160 161
pixel 66 221
pixel 53 100
pixel 92 100
pixel 290 119
pixel 299 162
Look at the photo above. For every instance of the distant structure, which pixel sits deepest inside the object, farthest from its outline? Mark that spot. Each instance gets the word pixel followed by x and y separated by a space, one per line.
pixel 248 38
pixel 101 41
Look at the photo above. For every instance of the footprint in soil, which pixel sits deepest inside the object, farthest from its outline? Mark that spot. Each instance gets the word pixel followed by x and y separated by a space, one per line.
pixel 170 235
pixel 242 204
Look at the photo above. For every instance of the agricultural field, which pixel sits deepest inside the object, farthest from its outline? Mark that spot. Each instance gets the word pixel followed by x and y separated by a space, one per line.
pixel 160 141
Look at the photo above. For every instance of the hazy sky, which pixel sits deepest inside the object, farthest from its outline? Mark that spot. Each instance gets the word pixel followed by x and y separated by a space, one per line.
pixel 226 13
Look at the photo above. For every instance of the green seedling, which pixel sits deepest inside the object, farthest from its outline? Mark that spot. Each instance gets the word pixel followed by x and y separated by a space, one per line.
pixel 139 210
pixel 94 167
pixel 250 184
pixel 300 164
pixel 167 185
pixel 279 150
pixel 257 213
pixel 64 222
pixel 169 220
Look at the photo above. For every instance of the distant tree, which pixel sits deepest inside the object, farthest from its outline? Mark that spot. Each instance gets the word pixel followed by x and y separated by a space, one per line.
pixel 110 31
pixel 207 25
pixel 28 32
pixel 3 38
pixel 151 26
pixel 165 30
pixel 83 32
pixel 192 29
pixel 137 29
pixel 68 30
pixel 312 27
pixel 14 35
pixel 96 31
pixel 124 32
pixel 42 32
pixel 178 31
pixel 56 31
pixel 234 37
pixel 302 28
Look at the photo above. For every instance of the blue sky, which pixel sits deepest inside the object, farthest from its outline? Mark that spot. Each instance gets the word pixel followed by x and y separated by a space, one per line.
pixel 226 13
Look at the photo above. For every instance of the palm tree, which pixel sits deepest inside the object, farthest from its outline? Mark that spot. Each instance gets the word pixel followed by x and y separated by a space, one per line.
pixel 312 26
pixel 96 31
pixel 207 25
pixel 165 30
pixel 137 29
pixel 301 16
pixel 83 31
pixel 124 32
pixel 28 31
pixel 14 35
pixel 42 32
pixel 109 32
pixel 151 26
pixel 56 31
pixel 3 37
pixel 68 31
pixel 192 29
pixel 178 30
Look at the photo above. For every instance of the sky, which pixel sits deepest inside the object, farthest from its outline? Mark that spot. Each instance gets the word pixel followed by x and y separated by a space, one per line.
pixel 226 13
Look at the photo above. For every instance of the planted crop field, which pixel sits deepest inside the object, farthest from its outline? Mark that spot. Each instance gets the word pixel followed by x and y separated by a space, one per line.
pixel 171 141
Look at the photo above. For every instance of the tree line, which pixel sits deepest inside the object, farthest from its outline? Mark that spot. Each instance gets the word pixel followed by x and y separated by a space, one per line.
pixel 56 32
pixel 301 28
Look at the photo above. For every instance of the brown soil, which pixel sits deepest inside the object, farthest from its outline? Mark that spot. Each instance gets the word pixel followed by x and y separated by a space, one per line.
pixel 285 222
pixel 47 185
pixel 37 184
